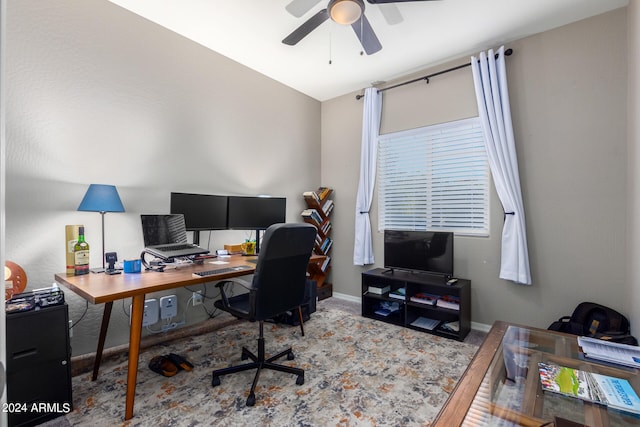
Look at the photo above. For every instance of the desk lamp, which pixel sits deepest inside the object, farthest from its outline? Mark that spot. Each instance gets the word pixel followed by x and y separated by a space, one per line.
pixel 101 198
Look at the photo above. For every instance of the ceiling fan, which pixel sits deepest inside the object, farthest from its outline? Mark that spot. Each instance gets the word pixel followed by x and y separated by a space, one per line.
pixel 344 12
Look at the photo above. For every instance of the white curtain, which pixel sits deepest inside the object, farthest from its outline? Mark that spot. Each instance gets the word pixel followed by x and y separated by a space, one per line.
pixel 362 247
pixel 490 80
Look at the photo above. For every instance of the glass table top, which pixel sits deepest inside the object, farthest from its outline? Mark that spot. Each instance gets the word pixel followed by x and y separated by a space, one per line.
pixel 511 393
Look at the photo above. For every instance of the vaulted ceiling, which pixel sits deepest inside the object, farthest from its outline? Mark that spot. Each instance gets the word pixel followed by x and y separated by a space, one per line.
pixel 329 61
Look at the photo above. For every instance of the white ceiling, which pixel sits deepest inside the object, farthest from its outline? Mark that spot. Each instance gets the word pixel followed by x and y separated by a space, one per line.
pixel 251 32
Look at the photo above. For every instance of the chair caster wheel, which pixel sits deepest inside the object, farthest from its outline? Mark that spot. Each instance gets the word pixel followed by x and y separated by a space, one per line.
pixel 215 381
pixel 251 400
pixel 300 380
pixel 290 356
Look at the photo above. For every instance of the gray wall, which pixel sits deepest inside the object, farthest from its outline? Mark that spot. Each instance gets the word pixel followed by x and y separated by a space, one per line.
pixel 568 99
pixel 96 94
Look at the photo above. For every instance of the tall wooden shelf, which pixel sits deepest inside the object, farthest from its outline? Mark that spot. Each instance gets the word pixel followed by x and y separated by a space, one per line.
pixel 318 212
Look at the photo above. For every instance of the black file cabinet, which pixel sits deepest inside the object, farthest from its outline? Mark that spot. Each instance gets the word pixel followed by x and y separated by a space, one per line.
pixel 38 365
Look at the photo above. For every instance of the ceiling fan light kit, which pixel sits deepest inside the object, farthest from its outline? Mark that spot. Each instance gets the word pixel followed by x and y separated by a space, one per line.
pixel 346 12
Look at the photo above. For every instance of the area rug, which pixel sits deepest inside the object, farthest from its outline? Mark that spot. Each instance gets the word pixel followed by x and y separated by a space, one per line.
pixel 358 371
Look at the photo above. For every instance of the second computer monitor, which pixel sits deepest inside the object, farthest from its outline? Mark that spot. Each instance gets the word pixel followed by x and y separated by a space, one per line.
pixel 255 213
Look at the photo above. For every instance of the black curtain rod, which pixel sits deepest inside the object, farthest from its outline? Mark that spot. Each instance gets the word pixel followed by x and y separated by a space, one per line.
pixel 507 52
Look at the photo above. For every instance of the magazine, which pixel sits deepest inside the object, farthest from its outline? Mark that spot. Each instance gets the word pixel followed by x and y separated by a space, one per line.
pixel 425 298
pixel 398 293
pixel 623 354
pixel 615 393
pixel 425 323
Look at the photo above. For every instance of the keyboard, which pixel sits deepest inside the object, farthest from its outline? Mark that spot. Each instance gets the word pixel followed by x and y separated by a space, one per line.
pixel 208 273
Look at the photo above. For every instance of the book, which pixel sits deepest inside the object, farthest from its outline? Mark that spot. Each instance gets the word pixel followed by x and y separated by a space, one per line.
pixel 607 351
pixel 612 392
pixel 449 301
pixel 451 326
pixel 325 263
pixel 313 215
pixel 399 293
pixel 386 308
pixel 327 207
pixel 312 195
pixel 425 323
pixel 425 298
pixel 323 192
pixel 379 290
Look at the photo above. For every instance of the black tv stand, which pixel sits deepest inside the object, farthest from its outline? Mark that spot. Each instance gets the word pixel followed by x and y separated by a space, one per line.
pixel 410 311
pixel 444 277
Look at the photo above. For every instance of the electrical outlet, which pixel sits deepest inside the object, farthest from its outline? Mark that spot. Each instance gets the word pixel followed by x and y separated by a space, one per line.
pixel 197 298
pixel 151 310
pixel 168 307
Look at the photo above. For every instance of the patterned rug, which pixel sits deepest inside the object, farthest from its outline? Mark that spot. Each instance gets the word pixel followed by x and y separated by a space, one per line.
pixel 357 372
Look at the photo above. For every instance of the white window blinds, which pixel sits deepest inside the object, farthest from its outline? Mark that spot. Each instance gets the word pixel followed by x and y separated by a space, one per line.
pixel 434 178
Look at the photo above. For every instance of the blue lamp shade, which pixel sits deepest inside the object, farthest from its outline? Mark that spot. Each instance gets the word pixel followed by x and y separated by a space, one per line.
pixel 101 198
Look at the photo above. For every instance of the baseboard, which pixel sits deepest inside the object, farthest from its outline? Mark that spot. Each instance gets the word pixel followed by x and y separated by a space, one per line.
pixel 345 297
pixel 480 327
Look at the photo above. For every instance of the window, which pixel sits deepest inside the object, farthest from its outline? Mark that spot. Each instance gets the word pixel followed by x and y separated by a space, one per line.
pixel 434 178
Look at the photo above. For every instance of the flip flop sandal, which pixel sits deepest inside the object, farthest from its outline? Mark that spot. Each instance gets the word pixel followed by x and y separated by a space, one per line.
pixel 163 366
pixel 180 362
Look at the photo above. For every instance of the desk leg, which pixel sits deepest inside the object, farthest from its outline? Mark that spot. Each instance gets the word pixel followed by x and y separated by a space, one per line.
pixel 137 312
pixel 106 315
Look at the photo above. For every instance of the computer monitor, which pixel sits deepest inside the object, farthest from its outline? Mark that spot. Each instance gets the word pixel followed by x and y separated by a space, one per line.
pixel 201 212
pixel 256 213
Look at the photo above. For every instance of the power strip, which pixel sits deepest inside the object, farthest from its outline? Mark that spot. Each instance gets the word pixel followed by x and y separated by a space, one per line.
pixel 168 307
pixel 151 310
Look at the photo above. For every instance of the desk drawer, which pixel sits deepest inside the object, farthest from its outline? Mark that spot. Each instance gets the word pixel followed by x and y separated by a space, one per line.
pixel 37 336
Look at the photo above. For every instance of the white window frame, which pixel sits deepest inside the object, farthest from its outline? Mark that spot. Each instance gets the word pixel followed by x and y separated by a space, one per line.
pixel 434 178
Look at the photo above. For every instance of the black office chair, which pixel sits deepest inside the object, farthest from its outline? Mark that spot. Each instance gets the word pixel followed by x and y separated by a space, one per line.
pixel 278 286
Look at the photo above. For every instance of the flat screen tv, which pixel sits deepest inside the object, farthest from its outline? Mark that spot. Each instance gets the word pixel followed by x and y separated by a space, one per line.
pixel 423 251
pixel 256 213
pixel 201 211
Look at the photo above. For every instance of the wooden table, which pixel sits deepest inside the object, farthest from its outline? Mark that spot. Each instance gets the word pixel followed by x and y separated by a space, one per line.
pixel 101 288
pixel 508 358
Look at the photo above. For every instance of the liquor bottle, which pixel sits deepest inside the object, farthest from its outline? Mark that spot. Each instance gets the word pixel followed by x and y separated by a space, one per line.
pixel 81 254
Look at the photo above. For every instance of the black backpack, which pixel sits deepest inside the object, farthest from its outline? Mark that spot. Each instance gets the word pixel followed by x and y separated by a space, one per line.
pixel 594 320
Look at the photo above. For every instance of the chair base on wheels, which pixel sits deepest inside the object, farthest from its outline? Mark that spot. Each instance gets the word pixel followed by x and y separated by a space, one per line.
pixel 259 363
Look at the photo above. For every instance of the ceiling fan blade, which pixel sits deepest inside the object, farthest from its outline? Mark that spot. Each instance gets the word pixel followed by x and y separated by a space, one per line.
pixel 366 35
pixel 303 30
pixel 299 7
pixel 391 13
pixel 394 1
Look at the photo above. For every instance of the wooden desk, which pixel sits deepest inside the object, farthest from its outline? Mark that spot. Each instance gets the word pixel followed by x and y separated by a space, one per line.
pixel 101 288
